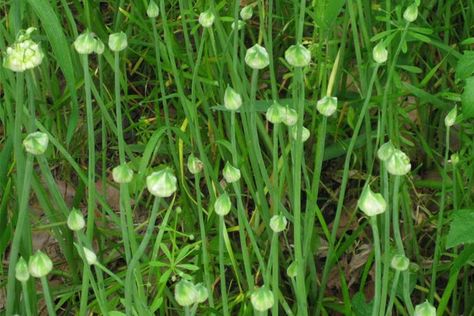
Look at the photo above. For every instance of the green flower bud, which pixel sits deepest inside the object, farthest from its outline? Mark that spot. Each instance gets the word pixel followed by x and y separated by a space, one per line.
pixel 185 293
pixel 99 48
pixel 278 223
pixel 194 164
pixel 206 18
pixel 231 174
pixel 262 299
pixel 75 220
pixel 256 57
pixel 327 106
pixel 304 133
pixel 202 293
pixel 274 113
pixel 240 25
pixel 289 116
pixel 222 205
pixel 246 12
pixel 292 270
pixel 24 54
pixel 398 164
pixel 40 265
pixel 152 11
pixel 232 99
pixel 425 309
pixel 380 53
pixel 36 143
pixel 450 118
pixel 411 13
pixel 122 174
pixel 86 43
pixel 90 256
pixel 21 270
pixel 371 203
pixel 455 159
pixel 118 41
pixel 385 151
pixel 161 183
pixel 298 56
pixel 400 262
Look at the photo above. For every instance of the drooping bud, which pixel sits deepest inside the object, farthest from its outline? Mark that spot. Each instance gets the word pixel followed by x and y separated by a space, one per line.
pixel 100 47
pixel 75 220
pixel 411 13
pixel 298 55
pixel 289 116
pixel 206 18
pixel 152 11
pixel 90 256
pixel 400 262
pixel 195 165
pixel 21 270
pixel 222 205
pixel 380 53
pixel 122 174
pixel 185 293
pixel 202 293
pixel 232 99
pixel 257 57
pixel 455 159
pixel 118 41
pixel 398 164
pixel 450 118
pixel 240 25
pixel 86 43
pixel 24 54
pixel 231 173
pixel 304 133
pixel 327 106
pixel 386 151
pixel 36 143
pixel 262 299
pixel 278 223
pixel 371 203
pixel 274 113
pixel 40 265
pixel 292 270
pixel 161 183
pixel 246 12
pixel 425 309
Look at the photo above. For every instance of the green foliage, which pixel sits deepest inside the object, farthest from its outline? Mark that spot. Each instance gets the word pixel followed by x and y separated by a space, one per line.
pixel 460 231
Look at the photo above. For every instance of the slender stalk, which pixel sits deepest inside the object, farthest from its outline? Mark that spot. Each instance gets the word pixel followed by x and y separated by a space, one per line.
pixel 223 284
pixel 378 265
pixel 393 293
pixel 275 272
pixel 26 298
pixel 47 297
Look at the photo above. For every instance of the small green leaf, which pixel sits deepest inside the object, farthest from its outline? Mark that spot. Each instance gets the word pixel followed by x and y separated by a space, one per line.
pixel 461 231
pixel 465 66
pixel 467 98
pixel 327 12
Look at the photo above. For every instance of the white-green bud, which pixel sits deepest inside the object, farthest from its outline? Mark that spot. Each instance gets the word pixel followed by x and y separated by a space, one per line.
pixel 450 118
pixel 185 293
pixel 274 113
pixel 425 309
pixel 90 256
pixel 21 270
pixel 222 205
pixel 231 173
pixel 206 18
pixel 36 143
pixel 327 106
pixel 246 12
pixel 40 265
pixel 289 116
pixel 400 262
pixel 371 203
pixel 118 41
pixel 411 13
pixel 262 299
pixel 100 47
pixel 240 25
pixel 278 223
pixel 298 56
pixel 161 183
pixel 304 133
pixel 86 43
pixel 398 164
pixel 24 54
pixel 152 11
pixel 232 99
pixel 75 220
pixel 455 159
pixel 195 165
pixel 386 151
pixel 257 57
pixel 122 174
pixel 380 53
pixel 202 293
pixel 292 270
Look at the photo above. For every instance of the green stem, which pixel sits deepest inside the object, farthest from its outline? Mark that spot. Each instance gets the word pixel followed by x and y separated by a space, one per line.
pixel 275 272
pixel 223 284
pixel 47 297
pixel 393 292
pixel 26 298
pixel 378 265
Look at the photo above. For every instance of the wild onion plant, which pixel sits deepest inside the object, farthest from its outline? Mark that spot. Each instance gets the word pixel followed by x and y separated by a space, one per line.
pixel 237 157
